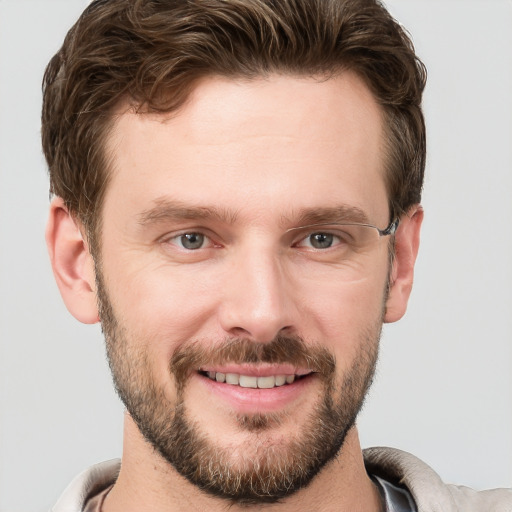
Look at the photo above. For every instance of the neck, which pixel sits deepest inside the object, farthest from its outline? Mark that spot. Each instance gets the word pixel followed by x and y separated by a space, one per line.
pixel 148 482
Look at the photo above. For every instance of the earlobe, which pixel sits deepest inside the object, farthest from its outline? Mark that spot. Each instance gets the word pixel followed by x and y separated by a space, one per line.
pixel 72 263
pixel 407 241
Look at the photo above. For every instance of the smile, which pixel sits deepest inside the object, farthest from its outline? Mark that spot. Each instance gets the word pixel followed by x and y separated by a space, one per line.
pixel 251 381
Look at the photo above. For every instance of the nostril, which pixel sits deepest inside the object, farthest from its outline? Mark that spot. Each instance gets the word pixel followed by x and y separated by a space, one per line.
pixel 240 332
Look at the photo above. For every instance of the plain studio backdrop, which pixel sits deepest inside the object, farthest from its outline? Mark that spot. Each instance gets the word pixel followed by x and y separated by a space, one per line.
pixel 443 389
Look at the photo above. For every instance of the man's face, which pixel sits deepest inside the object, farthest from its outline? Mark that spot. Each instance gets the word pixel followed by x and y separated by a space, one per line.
pixel 206 271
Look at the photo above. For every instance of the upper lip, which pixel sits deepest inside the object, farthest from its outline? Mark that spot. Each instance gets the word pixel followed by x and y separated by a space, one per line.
pixel 260 370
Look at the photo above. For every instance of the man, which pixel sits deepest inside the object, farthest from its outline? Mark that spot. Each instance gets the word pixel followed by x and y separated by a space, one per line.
pixel 237 189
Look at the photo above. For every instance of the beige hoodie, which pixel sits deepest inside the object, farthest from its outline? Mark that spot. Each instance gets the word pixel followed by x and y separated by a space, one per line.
pixel 396 466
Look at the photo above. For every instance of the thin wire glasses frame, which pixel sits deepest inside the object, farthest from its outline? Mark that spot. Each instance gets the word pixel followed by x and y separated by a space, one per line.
pixel 389 230
pixel 352 237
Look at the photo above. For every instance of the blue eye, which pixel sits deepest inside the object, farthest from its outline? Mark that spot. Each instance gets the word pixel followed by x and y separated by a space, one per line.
pixel 321 240
pixel 191 241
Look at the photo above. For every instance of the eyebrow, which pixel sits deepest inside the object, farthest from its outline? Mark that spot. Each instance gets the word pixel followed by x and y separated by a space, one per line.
pixel 166 210
pixel 329 215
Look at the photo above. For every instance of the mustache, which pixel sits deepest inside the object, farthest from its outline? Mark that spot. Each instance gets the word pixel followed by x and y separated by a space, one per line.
pixel 282 349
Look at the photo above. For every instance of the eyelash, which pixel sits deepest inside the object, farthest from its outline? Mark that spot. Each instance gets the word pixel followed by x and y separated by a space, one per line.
pixel 336 240
pixel 175 240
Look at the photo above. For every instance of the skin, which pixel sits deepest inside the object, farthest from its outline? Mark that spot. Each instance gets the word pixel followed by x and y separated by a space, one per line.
pixel 260 153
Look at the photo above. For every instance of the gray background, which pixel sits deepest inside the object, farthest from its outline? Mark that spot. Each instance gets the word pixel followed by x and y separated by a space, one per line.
pixel 443 389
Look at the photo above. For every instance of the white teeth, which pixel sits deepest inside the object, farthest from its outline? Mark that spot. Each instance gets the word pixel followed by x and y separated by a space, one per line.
pixel 266 382
pixel 250 381
pixel 280 380
pixel 232 378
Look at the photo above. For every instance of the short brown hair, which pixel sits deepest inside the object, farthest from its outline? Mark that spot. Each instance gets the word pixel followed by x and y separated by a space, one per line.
pixel 152 52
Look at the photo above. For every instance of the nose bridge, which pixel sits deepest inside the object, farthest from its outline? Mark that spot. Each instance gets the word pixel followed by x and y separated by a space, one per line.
pixel 258 302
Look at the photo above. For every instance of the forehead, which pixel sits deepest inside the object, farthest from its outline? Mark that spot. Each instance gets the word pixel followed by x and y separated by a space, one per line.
pixel 291 142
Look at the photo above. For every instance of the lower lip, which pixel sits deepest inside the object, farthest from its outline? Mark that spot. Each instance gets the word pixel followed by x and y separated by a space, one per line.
pixel 251 400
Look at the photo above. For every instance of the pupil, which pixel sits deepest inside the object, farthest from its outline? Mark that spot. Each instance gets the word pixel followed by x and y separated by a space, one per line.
pixel 321 240
pixel 192 240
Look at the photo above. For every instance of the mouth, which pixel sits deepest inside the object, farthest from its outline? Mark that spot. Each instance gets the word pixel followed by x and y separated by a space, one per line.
pixel 251 389
pixel 253 381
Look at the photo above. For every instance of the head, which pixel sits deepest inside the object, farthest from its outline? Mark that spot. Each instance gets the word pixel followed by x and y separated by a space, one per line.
pixel 191 144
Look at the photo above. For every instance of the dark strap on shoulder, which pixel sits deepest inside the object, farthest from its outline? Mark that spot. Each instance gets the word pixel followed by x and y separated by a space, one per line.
pixel 397 499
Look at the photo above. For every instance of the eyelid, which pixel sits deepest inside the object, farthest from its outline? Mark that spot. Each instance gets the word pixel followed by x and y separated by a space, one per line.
pixel 326 226
pixel 168 238
pixel 308 232
pixel 333 229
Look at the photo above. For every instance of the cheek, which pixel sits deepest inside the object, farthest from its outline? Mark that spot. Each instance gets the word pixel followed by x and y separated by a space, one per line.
pixel 160 307
pixel 346 306
pixel 345 316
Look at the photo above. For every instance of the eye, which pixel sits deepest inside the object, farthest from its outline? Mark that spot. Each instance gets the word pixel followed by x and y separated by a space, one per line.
pixel 319 240
pixel 190 241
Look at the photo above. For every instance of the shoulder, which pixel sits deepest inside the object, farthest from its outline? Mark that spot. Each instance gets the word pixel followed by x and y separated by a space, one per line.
pixel 86 485
pixel 430 493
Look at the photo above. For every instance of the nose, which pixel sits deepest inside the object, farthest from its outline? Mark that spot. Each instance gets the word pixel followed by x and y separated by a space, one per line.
pixel 258 301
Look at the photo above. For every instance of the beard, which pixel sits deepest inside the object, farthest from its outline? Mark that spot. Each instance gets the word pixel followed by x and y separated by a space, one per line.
pixel 267 467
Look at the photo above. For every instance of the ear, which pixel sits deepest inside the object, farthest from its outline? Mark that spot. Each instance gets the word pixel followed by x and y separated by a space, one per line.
pixel 72 263
pixel 407 241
